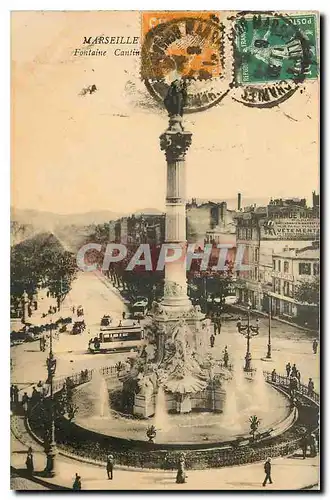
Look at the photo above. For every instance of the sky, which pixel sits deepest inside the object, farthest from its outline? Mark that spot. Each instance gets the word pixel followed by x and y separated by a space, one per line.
pixel 72 153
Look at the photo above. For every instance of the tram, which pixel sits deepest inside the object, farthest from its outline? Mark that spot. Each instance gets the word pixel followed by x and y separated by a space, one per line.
pixel 125 337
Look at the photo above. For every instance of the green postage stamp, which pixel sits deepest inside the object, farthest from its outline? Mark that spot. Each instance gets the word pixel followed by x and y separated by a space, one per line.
pixel 272 48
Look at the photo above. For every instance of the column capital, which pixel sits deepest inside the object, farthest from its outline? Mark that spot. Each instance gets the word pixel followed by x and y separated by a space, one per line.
pixel 175 141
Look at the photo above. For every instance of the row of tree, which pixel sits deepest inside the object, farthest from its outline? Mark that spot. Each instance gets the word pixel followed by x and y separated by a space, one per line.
pixel 41 262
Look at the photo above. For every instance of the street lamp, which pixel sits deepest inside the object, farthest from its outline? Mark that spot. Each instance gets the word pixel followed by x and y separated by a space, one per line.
pixel 269 346
pixel 50 443
pixel 248 331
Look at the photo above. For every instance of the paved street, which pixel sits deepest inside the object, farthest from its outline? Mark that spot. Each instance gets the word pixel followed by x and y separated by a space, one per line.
pixel 98 297
pixel 288 344
pixel 71 350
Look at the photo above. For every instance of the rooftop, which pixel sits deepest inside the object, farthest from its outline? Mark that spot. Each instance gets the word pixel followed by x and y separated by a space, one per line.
pixel 310 253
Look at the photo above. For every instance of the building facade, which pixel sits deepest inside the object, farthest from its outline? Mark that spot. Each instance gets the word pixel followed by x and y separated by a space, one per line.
pixel 291 268
pixel 138 228
pixel 265 231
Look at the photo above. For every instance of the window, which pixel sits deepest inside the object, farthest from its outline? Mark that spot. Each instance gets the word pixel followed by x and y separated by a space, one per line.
pixel 305 268
pixel 316 268
pixel 279 266
pixel 287 308
pixel 256 273
pixel 256 255
pixel 278 286
pixel 286 289
pixel 274 265
pixel 286 266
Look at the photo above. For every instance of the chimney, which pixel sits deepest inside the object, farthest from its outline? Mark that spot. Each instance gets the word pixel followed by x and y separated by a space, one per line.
pixel 239 202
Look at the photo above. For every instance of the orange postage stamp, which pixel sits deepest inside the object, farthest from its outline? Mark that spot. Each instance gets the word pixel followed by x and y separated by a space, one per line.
pixel 181 44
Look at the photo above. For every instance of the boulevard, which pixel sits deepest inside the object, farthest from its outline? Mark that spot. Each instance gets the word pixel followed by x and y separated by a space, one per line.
pixel 99 297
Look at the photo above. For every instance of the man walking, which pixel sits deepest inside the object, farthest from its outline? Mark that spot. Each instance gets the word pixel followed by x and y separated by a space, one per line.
pixel 267 469
pixel 219 324
pixel 294 370
pixel 12 392
pixel 310 387
pixel 110 463
pixel 212 339
pixel 25 402
pixel 16 394
pixel 304 444
pixel 315 344
pixel 288 369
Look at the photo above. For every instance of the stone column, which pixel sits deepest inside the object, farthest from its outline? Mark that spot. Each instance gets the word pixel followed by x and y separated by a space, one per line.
pixel 175 142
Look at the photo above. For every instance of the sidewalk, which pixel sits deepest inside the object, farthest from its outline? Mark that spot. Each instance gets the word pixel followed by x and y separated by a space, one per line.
pixel 287 474
pixel 243 308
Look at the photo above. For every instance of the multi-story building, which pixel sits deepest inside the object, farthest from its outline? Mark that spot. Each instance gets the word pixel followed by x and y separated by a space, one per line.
pixel 291 267
pixel 210 222
pixel 138 228
pixel 264 231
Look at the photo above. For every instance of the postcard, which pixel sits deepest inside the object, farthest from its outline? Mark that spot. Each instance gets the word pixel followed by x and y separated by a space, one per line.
pixel 165 250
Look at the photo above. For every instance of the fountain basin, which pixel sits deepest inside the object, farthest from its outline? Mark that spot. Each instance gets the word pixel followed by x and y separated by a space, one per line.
pixel 195 428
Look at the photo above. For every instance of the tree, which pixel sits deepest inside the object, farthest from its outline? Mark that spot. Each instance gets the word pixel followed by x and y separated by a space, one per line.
pixel 308 292
pixel 40 261
pixel 254 424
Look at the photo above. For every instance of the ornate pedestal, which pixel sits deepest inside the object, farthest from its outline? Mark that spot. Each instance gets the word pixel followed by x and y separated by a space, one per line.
pixel 144 405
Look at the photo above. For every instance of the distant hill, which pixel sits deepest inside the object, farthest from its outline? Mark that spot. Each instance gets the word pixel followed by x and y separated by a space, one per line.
pixel 50 220
pixel 20 232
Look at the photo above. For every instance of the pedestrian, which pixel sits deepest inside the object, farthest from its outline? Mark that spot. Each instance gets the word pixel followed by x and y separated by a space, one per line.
pixel 310 387
pixel 120 323
pixel 12 393
pixel 274 375
pixel 225 357
pixel 212 339
pixel 214 328
pixel 139 322
pixel 110 464
pixel 16 396
pixel 313 445
pixel 294 370
pixel 77 483
pixel 315 344
pixel 35 395
pixel 124 314
pixel 25 402
pixel 288 369
pixel 267 469
pixel 304 444
pixel 293 385
pixel 181 473
pixel 298 376
pixel 219 325
pixel 29 462
pixel 73 309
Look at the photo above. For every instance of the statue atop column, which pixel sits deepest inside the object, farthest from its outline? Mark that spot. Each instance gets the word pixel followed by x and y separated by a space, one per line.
pixel 176 98
pixel 175 141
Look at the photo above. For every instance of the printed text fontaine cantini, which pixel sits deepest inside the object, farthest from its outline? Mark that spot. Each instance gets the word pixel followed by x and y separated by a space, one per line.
pixel 108 40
